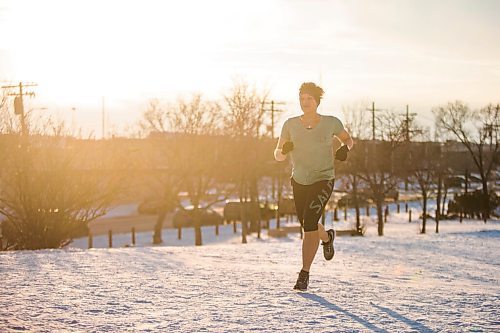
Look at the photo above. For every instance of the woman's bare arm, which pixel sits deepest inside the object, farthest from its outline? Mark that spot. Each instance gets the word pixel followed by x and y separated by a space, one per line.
pixel 346 139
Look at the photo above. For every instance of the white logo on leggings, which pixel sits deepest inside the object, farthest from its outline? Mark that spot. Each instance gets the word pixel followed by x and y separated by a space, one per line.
pixel 322 198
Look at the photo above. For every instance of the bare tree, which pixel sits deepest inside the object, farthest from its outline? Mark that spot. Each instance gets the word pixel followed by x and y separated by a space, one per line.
pixel 196 116
pixel 356 120
pixel 47 197
pixel 377 175
pixel 419 164
pixel 156 118
pixel 478 132
pixel 242 121
pixel 49 193
pixel 378 169
pixel 161 155
pixel 9 123
pixel 442 172
pixel 187 134
pixel 352 171
pixel 424 172
pixel 198 121
pixel 358 125
pixel 155 123
pixel 245 112
pixel 423 178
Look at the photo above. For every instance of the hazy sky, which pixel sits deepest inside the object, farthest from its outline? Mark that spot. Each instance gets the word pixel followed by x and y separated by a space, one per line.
pixel 421 53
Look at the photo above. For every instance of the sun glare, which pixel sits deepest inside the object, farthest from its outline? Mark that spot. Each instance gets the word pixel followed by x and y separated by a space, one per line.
pixel 130 51
pixel 115 48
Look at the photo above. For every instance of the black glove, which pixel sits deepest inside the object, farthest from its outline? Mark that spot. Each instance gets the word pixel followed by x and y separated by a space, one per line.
pixel 287 147
pixel 341 153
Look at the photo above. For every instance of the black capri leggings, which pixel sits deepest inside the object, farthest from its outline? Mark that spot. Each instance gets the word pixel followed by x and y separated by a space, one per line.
pixel 310 201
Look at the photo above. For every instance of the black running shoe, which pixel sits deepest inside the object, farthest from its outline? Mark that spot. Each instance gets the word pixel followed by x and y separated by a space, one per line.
pixel 328 250
pixel 302 281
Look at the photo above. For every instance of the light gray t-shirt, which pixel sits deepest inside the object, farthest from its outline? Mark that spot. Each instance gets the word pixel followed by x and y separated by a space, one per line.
pixel 312 155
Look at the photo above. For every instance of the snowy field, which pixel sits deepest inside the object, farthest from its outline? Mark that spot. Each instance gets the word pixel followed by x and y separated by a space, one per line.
pixel 402 282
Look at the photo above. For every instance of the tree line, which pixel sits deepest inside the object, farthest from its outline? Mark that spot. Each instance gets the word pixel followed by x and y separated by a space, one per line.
pixel 52 186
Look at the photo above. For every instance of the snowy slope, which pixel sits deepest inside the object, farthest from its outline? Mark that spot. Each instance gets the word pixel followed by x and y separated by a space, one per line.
pixel 402 282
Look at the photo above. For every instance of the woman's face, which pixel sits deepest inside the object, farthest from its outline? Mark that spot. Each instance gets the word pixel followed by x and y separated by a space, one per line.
pixel 308 103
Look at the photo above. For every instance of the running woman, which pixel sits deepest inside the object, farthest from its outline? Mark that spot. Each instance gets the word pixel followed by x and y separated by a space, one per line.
pixel 309 141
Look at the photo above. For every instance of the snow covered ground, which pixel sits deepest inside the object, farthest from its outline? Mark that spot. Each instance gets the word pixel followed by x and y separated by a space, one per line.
pixel 402 282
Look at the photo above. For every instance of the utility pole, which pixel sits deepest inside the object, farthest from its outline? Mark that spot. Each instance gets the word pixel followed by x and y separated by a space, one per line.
pixel 272 110
pixel 407 124
pixel 409 117
pixel 407 133
pixel 19 103
pixel 373 119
